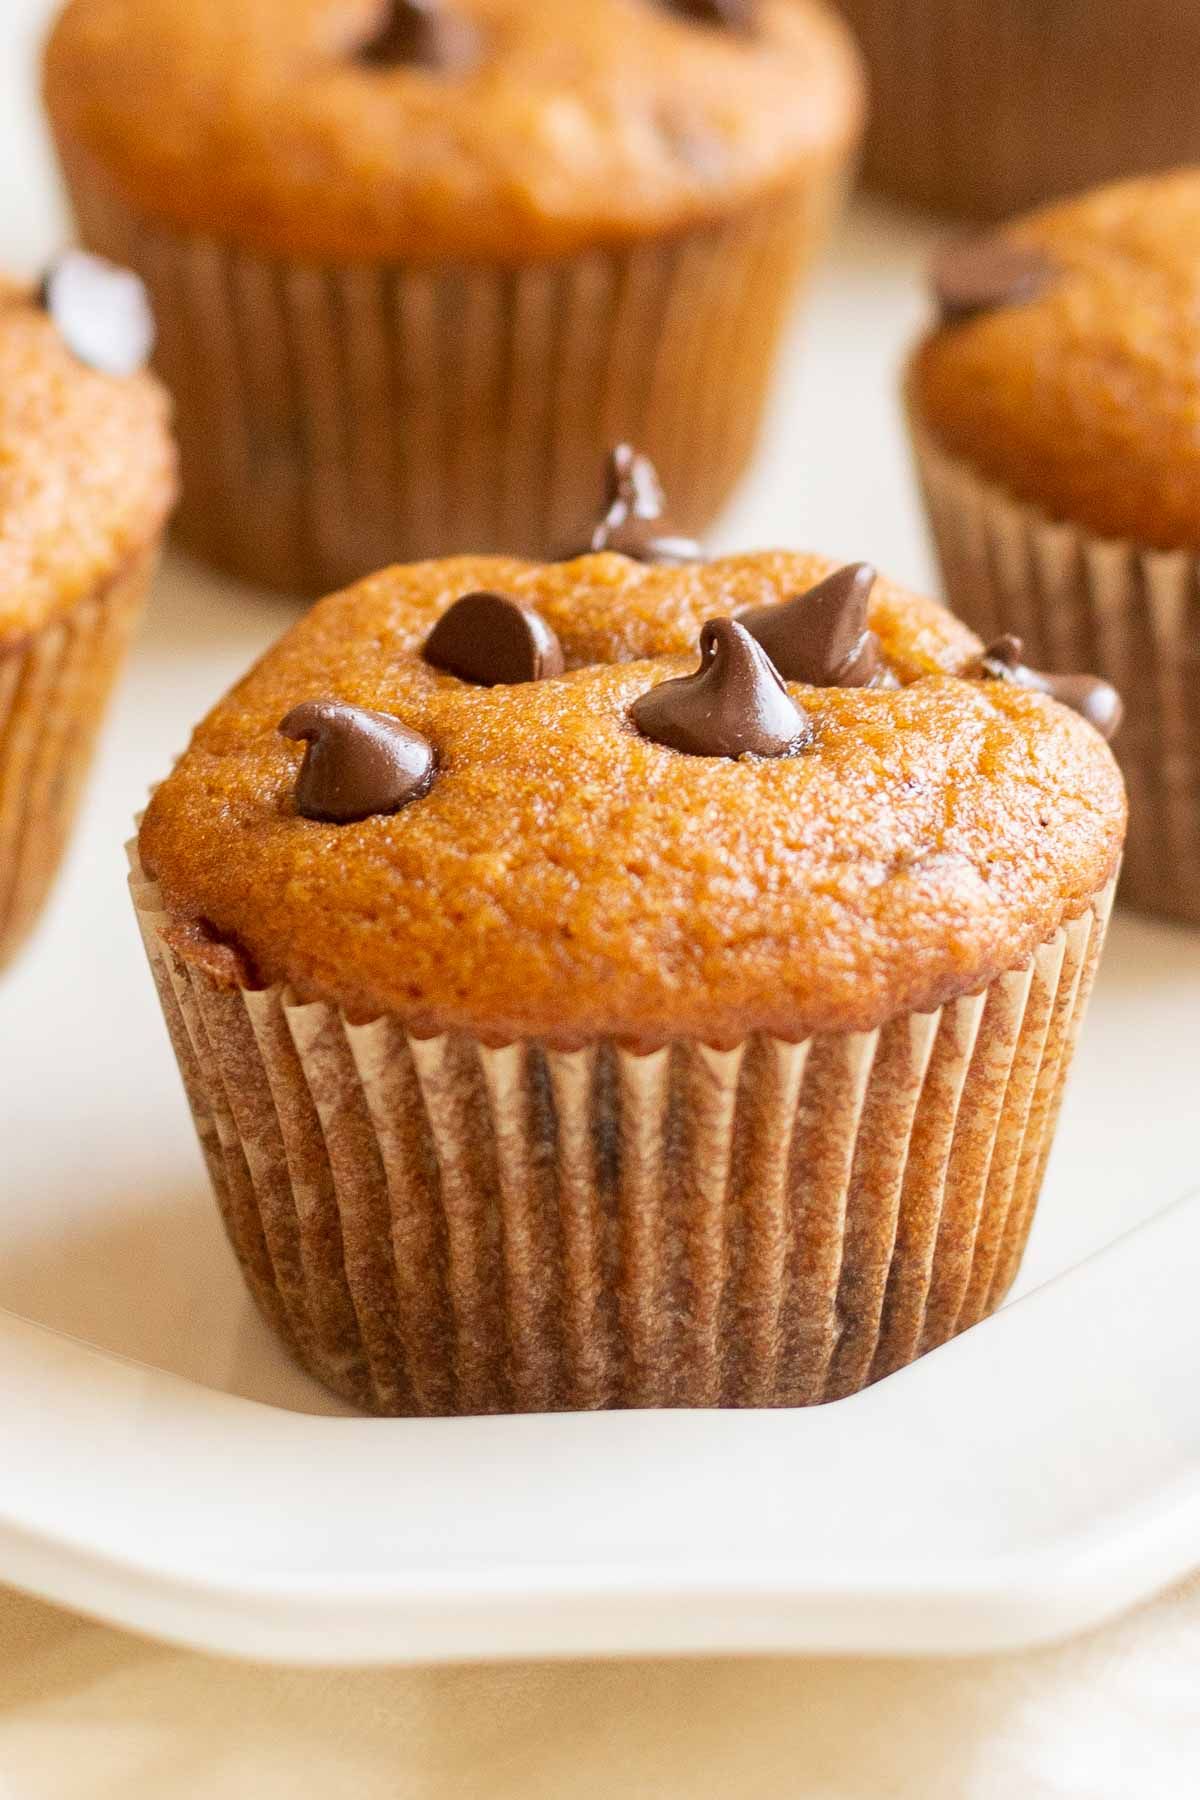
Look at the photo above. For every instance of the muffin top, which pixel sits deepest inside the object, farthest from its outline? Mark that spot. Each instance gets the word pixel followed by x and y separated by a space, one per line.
pixel 1078 390
pixel 426 129
pixel 86 467
pixel 606 847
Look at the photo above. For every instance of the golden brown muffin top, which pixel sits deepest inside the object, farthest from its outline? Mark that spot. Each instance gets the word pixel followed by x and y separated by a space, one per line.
pixel 564 875
pixel 1085 401
pixel 87 468
pixel 568 124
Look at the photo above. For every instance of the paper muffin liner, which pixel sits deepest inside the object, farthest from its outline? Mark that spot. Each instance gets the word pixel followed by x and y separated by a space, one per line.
pixel 989 107
pixel 54 685
pixel 333 420
pixel 1084 604
pixel 438 1225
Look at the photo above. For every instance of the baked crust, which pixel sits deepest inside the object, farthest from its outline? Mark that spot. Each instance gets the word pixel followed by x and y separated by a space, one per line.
pixel 566 878
pixel 584 122
pixel 87 471
pixel 1085 402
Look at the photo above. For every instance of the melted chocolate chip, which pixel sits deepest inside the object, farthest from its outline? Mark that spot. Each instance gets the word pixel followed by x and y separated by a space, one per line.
pixel 423 34
pixel 821 636
pixel 733 15
pixel 633 513
pixel 490 639
pixel 1096 700
pixel 358 764
pixel 979 275
pixel 102 312
pixel 734 705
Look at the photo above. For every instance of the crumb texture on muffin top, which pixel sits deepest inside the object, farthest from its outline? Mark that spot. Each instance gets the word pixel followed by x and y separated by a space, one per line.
pixel 86 469
pixel 565 876
pixel 569 123
pixel 1085 400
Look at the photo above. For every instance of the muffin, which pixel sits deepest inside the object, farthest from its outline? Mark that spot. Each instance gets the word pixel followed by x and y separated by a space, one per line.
pixel 986 107
pixel 417 265
pixel 86 480
pixel 1054 411
pixel 571 1025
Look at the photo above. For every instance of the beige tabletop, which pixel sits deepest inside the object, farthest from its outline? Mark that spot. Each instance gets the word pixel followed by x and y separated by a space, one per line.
pixel 87 1713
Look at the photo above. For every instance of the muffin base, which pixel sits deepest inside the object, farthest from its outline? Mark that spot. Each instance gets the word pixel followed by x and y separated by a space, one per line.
pixel 441 1226
pixel 333 420
pixel 54 687
pixel 1091 605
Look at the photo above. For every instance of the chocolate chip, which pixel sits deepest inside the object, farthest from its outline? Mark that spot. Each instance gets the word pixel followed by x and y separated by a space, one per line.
pixel 981 274
pixel 1002 658
pixel 424 34
pixel 733 15
pixel 734 705
pixel 1096 700
pixel 102 312
pixel 633 514
pixel 492 640
pixel 358 763
pixel 821 636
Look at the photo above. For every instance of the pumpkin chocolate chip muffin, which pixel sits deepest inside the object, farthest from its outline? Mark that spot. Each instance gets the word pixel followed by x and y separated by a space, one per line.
pixel 86 480
pixel 418 262
pixel 1054 410
pixel 615 982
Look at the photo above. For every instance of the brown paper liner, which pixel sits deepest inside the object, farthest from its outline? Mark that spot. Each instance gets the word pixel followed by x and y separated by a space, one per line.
pixel 333 420
pixel 54 686
pixel 988 107
pixel 438 1226
pixel 1089 605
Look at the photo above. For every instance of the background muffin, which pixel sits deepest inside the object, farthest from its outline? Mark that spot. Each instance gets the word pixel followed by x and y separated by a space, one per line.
pixel 568 1027
pixel 86 480
pixel 1055 420
pixel 988 106
pixel 417 266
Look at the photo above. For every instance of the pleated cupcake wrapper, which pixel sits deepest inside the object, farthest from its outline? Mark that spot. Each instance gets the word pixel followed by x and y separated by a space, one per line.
pixel 54 685
pixel 333 420
pixel 1084 604
pixel 436 1225
pixel 989 107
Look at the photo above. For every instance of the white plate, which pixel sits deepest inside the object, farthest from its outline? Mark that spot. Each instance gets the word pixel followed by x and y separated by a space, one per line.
pixel 1030 1479
pixel 1016 1485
